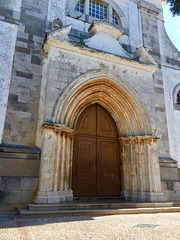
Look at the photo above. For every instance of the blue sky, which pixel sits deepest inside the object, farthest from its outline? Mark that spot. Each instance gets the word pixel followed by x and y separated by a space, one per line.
pixel 172 25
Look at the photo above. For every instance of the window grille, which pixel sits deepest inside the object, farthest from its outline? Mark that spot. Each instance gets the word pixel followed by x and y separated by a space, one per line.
pixel 97 10
pixel 80 6
pixel 115 18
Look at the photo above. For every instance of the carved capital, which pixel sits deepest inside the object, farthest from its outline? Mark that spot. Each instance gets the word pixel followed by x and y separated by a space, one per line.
pixel 59 129
pixel 138 140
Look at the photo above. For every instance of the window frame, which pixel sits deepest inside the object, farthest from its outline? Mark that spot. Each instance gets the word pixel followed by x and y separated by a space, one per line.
pixel 110 6
pixel 176 97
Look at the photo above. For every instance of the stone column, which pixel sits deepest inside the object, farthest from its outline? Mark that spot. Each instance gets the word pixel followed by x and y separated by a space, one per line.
pixel 56 165
pixel 141 174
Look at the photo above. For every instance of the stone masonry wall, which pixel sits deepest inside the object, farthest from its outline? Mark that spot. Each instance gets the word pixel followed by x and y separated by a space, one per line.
pixel 151 41
pixel 170 58
pixel 22 31
pixel 62 67
pixel 9 17
pixel 21 118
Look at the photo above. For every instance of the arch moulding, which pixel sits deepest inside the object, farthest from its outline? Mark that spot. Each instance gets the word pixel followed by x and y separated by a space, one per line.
pixel 138 146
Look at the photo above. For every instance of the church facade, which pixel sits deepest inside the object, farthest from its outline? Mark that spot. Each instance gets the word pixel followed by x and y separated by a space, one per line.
pixel 90 102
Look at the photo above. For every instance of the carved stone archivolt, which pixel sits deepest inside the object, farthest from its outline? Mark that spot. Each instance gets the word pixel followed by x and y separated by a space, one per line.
pixel 138 147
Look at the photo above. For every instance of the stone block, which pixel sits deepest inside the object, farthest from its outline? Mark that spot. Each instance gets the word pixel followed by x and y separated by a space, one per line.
pixel 29 184
pixel 11 183
pixel 3 197
pixel 19 167
pixel 56 199
pixel 14 196
pixel 27 196
pixel 169 174
pixel 172 195
pixel 177 186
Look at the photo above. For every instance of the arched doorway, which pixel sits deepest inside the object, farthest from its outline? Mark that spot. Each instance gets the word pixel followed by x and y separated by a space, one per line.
pixel 96 159
pixel 138 146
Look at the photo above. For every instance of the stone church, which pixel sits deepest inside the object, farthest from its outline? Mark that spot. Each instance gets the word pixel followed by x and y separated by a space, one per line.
pixel 89 102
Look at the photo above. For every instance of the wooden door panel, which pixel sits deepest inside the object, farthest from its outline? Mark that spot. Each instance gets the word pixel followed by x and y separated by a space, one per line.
pixel 86 124
pixel 108 168
pixel 96 165
pixel 105 124
pixel 84 167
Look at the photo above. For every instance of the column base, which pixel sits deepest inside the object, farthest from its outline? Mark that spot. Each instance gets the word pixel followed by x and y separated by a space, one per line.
pixel 53 197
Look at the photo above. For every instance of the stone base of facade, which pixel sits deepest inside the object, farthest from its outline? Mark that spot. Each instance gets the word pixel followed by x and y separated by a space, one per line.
pixel 53 197
pixel 145 197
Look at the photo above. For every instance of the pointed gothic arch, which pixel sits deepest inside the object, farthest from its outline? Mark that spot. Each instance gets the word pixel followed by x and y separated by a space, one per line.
pixel 107 89
pixel 138 146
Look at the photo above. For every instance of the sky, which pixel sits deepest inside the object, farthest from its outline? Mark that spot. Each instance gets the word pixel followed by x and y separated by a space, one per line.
pixel 172 25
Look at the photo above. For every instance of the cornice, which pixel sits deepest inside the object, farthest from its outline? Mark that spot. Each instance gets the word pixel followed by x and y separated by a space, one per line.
pixel 98 54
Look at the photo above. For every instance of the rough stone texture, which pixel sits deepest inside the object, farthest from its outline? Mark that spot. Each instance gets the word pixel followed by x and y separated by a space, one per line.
pixel 19 182
pixel 56 9
pixel 171 78
pixel 8 34
pixel 21 118
pixel 10 12
pixel 151 41
pixel 62 67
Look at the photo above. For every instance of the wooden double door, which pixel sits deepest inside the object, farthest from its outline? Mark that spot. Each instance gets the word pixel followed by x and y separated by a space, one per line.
pixel 96 161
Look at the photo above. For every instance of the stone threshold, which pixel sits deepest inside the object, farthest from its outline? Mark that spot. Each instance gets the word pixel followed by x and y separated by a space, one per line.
pixel 96 208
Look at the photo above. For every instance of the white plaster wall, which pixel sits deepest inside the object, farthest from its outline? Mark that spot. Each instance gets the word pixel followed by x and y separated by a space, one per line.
pixel 14 5
pixel 8 33
pixel 171 78
pixel 135 29
pixel 56 9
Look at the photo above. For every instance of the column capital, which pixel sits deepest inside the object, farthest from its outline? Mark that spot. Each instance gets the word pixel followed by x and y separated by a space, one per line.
pixel 138 140
pixel 59 129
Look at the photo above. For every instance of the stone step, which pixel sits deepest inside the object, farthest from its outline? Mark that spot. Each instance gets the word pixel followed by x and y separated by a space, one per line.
pixel 70 212
pixel 96 205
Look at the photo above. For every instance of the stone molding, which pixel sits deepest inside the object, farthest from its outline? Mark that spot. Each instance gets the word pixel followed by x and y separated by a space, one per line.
pixel 59 33
pixel 98 26
pixel 107 89
pixel 143 55
pixel 103 34
pixel 53 42
pixel 149 7
pixel 138 140
pixel 58 128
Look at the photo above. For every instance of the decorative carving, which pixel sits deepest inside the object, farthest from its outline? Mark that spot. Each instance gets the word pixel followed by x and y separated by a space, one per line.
pixel 59 129
pixel 138 140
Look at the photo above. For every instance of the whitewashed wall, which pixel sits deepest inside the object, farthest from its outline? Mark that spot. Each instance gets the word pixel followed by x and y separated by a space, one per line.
pixel 8 33
pixel 171 79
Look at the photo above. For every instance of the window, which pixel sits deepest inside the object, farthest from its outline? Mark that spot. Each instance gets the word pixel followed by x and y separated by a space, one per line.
pixel 80 6
pixel 115 18
pixel 178 98
pixel 97 9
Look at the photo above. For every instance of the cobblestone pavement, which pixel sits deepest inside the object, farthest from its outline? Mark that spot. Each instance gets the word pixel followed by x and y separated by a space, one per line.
pixel 112 227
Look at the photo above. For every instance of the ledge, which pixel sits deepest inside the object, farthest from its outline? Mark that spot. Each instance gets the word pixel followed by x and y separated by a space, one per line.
pixel 18 149
pixel 98 54
pixel 167 160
